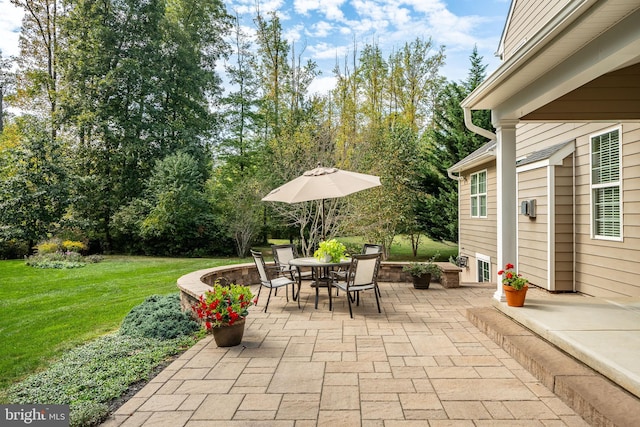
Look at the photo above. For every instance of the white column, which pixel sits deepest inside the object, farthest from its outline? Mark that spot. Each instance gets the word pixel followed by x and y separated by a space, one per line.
pixel 507 201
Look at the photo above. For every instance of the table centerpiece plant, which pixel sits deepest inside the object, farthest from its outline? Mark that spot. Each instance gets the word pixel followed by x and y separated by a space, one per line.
pixel 330 251
pixel 223 310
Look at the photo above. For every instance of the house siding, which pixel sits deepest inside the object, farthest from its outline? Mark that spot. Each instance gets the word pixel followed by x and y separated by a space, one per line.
pixel 532 232
pixel 602 268
pixel 563 220
pixel 478 235
pixel 527 18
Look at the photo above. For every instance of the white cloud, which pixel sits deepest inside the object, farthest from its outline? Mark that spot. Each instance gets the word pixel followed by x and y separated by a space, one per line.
pixel 10 24
pixel 320 29
pixel 331 9
pixel 322 85
pixel 322 51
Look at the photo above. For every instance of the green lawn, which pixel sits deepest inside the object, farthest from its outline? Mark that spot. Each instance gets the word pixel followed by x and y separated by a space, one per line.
pixel 44 313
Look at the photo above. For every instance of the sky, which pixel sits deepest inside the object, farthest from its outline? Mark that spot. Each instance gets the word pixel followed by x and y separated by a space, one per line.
pixel 326 31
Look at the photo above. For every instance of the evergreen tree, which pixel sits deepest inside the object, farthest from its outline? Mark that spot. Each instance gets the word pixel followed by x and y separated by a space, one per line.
pixel 448 142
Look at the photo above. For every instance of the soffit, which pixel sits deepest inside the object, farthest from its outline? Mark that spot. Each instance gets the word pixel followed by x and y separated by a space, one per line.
pixel 588 39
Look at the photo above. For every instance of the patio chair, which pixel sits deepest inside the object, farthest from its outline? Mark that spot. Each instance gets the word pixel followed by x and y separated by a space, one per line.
pixel 370 248
pixel 282 254
pixel 367 248
pixel 362 275
pixel 266 279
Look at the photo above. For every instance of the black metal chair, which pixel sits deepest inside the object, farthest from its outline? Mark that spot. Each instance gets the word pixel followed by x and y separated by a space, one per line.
pixel 362 275
pixel 266 279
pixel 367 248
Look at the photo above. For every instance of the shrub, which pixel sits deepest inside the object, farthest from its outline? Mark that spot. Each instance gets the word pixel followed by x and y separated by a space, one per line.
pixel 48 247
pixel 93 259
pixel 12 248
pixel 56 260
pixel 159 317
pixel 91 377
pixel 73 246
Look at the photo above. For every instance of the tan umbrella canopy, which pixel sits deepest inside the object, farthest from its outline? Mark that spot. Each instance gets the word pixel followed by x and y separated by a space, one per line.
pixel 322 183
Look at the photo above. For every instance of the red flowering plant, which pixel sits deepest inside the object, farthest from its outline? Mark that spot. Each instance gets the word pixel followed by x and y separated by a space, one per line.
pixel 510 277
pixel 224 305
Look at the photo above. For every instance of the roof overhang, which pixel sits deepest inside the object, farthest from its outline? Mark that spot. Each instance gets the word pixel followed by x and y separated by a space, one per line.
pixel 479 157
pixel 586 40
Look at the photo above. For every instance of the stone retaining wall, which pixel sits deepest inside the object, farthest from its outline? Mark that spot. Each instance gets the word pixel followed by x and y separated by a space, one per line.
pixel 194 284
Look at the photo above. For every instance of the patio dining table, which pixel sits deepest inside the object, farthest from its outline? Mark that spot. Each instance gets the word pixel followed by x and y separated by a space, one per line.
pixel 320 270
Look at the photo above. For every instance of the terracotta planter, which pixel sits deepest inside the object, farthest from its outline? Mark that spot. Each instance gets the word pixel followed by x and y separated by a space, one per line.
pixel 421 282
pixel 228 335
pixel 515 298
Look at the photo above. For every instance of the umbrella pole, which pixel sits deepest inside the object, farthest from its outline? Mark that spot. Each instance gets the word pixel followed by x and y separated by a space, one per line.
pixel 323 232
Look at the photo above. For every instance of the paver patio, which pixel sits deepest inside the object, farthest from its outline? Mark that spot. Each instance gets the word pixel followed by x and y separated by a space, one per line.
pixel 419 363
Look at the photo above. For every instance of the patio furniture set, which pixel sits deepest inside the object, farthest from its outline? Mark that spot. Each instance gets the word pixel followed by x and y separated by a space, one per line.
pixel 351 275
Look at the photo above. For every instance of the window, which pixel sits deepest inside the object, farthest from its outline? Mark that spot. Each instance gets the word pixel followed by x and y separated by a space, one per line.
pixel 479 195
pixel 484 268
pixel 606 183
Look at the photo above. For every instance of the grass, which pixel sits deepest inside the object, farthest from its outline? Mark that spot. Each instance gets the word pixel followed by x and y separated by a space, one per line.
pixel 401 248
pixel 46 312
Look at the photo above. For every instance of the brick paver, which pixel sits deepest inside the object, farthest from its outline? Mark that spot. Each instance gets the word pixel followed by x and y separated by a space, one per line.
pixel 419 363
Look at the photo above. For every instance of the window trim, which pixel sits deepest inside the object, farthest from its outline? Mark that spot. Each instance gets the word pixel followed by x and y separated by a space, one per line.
pixel 486 259
pixel 478 195
pixel 593 187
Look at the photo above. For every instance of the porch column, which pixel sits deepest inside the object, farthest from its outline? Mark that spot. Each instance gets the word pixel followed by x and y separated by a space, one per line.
pixel 507 201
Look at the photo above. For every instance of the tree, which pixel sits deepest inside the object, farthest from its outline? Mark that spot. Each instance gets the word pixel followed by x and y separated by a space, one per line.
pixel 414 81
pixel 241 108
pixel 138 79
pixel 449 141
pixel 174 216
pixel 6 83
pixel 273 67
pixel 380 213
pixel 38 74
pixel 33 187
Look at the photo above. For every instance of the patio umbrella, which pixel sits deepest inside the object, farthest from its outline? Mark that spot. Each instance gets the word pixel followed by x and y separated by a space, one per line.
pixel 322 183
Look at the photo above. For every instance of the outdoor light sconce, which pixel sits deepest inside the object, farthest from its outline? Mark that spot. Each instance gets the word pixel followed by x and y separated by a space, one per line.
pixel 463 261
pixel 528 208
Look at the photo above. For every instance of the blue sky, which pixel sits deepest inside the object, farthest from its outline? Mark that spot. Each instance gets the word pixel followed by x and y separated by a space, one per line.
pixel 326 30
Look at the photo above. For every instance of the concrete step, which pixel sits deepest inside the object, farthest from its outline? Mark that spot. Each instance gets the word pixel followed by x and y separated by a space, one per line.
pixel 598 400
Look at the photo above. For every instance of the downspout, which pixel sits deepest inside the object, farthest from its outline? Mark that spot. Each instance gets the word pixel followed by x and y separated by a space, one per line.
pixel 476 129
pixel 452 176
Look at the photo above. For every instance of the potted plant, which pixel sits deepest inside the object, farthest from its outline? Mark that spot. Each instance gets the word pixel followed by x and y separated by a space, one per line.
pixel 223 310
pixel 515 286
pixel 422 272
pixel 330 251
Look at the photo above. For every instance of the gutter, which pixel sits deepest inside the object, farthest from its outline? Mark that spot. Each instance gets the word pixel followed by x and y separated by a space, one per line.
pixel 476 129
pixel 453 177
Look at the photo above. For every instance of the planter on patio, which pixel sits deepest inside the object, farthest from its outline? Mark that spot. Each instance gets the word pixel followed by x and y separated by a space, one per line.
pixel 228 335
pixel 515 297
pixel 421 282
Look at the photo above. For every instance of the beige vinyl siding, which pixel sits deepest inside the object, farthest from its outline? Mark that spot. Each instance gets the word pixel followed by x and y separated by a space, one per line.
pixel 532 232
pixel 527 18
pixel 478 235
pixel 602 268
pixel 563 263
